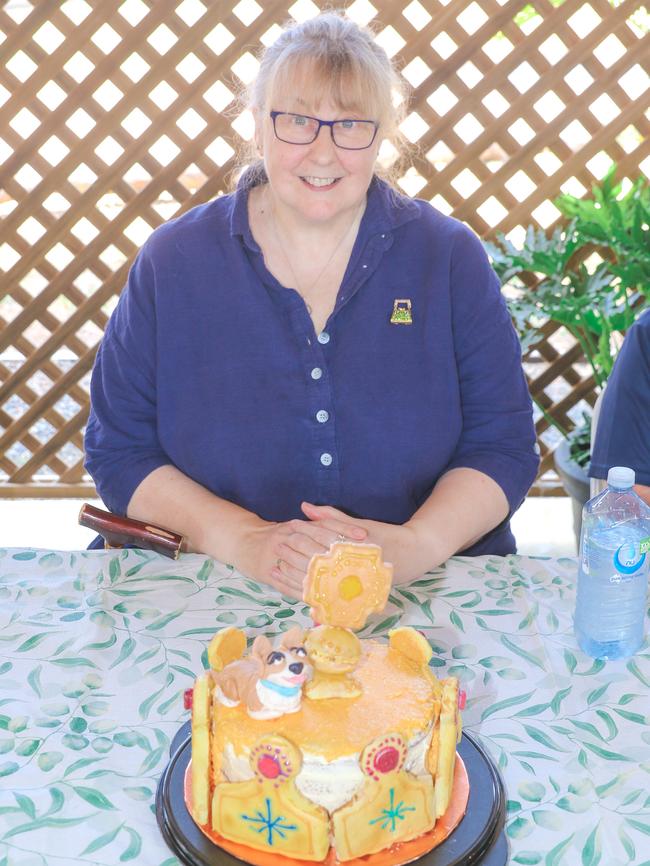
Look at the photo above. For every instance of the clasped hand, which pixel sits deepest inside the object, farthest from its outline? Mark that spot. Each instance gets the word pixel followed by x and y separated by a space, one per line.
pixel 279 553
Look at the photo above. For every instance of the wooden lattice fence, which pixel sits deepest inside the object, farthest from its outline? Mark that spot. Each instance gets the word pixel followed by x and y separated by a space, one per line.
pixel 116 115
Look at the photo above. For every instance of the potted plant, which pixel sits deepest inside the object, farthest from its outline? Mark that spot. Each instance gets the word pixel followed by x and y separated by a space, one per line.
pixel 548 279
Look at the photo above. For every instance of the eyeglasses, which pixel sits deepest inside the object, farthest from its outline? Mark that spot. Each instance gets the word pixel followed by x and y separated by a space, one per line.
pixel 303 129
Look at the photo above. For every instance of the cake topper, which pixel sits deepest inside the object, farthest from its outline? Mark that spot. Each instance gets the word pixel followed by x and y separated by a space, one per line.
pixel 343 587
pixel 268 681
pixel 346 584
pixel 334 653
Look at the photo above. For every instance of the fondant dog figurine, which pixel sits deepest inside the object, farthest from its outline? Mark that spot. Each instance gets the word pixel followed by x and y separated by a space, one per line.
pixel 268 681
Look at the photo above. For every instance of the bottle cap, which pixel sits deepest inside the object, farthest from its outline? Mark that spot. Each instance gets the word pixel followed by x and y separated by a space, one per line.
pixel 621 477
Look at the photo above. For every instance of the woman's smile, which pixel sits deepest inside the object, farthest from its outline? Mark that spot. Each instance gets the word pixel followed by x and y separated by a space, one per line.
pixel 320 183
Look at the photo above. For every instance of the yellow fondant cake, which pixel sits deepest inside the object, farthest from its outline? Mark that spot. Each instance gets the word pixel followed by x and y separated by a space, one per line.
pixel 324 740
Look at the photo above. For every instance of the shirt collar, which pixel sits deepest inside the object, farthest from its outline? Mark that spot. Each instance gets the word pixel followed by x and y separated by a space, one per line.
pixel 239 224
pixel 387 209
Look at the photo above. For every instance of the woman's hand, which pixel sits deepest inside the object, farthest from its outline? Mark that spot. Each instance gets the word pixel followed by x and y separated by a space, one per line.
pixel 410 551
pixel 278 553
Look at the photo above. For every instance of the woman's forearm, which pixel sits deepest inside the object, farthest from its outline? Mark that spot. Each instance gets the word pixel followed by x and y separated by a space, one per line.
pixel 210 525
pixel 464 505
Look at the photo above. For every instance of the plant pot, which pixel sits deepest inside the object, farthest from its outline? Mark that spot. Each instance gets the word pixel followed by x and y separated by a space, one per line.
pixel 576 483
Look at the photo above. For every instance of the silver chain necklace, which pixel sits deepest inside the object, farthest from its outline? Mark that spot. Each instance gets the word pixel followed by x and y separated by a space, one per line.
pixel 303 292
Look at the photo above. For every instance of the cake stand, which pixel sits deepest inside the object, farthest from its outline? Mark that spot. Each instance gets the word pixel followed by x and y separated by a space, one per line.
pixel 479 837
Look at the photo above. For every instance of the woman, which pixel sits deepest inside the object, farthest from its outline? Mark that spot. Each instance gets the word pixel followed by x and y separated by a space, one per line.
pixel 315 356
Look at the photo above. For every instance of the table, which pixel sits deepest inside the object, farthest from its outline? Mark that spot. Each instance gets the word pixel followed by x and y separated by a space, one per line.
pixel 96 649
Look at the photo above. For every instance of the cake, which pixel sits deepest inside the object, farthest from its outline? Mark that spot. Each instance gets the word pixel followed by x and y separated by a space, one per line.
pixel 324 745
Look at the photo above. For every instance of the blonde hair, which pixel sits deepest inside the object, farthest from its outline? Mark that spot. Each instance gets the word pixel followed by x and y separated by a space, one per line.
pixel 332 56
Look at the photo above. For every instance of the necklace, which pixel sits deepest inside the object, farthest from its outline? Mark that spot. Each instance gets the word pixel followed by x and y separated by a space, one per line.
pixel 305 291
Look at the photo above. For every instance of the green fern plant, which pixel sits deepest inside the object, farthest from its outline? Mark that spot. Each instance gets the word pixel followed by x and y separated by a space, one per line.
pixel 548 282
pixel 618 224
pixel 546 279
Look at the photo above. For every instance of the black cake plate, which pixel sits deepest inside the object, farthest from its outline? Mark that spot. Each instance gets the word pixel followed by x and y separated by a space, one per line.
pixel 479 838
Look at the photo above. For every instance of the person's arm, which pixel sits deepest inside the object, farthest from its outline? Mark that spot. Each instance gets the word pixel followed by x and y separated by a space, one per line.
pixel 230 533
pixel 211 525
pixel 135 476
pixel 495 460
pixel 621 436
pixel 463 506
pixel 497 437
pixel 121 441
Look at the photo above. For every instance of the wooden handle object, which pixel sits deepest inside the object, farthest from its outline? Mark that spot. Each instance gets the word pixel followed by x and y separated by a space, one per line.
pixel 118 531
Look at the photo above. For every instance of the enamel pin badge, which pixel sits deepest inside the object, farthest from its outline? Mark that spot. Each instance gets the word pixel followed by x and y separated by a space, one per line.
pixel 401 314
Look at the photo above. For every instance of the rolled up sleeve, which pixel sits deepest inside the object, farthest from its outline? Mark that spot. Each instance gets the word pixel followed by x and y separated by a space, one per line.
pixel 121 440
pixel 498 433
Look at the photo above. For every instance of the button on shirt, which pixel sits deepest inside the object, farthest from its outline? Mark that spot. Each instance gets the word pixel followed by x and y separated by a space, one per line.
pixel 209 364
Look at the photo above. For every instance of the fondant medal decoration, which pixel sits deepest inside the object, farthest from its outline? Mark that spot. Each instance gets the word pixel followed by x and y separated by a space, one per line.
pixel 412 644
pixel 384 755
pixel 334 653
pixel 447 723
pixel 346 584
pixel 441 756
pixel 227 645
pixel 268 812
pixel 201 699
pixel 393 805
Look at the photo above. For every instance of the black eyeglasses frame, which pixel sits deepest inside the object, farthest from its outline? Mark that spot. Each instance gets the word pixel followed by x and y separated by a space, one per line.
pixel 330 123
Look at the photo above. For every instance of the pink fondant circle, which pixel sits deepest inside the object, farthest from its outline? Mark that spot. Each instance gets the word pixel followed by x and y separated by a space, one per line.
pixel 386 759
pixel 268 767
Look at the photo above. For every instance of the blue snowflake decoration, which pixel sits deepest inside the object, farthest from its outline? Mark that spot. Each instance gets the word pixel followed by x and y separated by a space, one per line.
pixel 269 823
pixel 393 813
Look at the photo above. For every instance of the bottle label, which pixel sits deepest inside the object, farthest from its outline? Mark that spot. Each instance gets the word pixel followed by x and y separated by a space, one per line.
pixel 644 545
pixel 629 558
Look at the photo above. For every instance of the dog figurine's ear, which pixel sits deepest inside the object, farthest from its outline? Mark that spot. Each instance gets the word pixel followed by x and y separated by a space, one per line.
pixel 293 637
pixel 260 650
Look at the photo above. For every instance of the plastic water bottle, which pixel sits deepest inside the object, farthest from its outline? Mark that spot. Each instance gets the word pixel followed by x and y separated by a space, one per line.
pixel 613 576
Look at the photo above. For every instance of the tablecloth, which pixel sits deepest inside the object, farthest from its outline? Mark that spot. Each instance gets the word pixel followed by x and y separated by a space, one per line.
pixel 97 648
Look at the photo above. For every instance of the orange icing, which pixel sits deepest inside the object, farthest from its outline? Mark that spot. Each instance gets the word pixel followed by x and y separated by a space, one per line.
pixel 398 696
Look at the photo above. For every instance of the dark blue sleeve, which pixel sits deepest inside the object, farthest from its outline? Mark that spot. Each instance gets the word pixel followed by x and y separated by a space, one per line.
pixel 121 440
pixel 623 429
pixel 498 434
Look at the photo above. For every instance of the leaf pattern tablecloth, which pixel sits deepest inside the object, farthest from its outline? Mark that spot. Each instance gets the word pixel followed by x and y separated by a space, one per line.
pixel 96 649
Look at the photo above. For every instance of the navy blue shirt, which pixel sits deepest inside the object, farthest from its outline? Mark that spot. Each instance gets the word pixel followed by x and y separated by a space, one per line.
pixel 209 364
pixel 623 429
